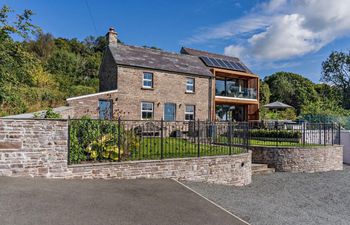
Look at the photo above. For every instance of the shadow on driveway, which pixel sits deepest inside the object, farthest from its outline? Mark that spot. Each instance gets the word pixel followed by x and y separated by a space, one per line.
pixel 91 202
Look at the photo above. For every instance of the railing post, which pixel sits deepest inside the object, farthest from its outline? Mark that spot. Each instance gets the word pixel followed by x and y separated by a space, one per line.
pixel 332 133
pixel 303 132
pixel 230 137
pixel 161 139
pixel 198 139
pixel 324 133
pixel 68 154
pixel 119 137
pixel 248 136
pixel 277 133
pixel 339 133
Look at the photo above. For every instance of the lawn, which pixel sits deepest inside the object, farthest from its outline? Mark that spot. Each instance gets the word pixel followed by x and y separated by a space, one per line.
pixel 264 143
pixel 150 148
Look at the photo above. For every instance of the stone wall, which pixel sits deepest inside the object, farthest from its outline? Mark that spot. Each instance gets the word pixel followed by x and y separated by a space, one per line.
pixel 297 159
pixel 33 147
pixel 230 170
pixel 168 88
pixel 345 141
pixel 40 148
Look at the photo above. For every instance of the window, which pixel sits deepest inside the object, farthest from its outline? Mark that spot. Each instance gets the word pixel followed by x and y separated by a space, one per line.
pixel 190 85
pixel 147 110
pixel 105 109
pixel 147 80
pixel 169 112
pixel 189 112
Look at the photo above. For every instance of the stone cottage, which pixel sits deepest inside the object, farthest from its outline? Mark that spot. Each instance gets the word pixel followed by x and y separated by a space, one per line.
pixel 139 83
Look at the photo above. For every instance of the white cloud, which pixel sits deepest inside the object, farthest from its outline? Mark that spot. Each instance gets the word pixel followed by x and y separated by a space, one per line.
pixel 234 50
pixel 283 29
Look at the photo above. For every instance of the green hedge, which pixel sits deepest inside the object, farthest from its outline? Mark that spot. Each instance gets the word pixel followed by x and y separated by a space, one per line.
pixel 261 133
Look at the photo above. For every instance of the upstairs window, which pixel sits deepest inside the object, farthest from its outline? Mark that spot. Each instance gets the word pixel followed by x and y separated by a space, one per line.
pixel 147 80
pixel 190 85
pixel 189 112
pixel 147 110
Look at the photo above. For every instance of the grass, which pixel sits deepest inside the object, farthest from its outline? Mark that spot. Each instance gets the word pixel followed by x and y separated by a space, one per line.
pixel 150 148
pixel 268 143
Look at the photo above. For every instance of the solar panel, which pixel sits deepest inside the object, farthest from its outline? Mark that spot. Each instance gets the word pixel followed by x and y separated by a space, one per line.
pixel 215 62
pixel 234 65
pixel 220 63
pixel 207 61
pixel 228 65
pixel 240 66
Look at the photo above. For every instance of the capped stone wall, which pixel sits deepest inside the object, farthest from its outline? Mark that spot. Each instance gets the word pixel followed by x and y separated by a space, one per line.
pixel 39 148
pixel 299 159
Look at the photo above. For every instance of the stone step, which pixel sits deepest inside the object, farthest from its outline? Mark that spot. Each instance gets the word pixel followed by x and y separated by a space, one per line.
pixel 256 166
pixel 259 169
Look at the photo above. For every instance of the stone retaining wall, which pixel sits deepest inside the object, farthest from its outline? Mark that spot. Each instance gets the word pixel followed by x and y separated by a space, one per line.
pixel 297 159
pixel 230 170
pixel 40 148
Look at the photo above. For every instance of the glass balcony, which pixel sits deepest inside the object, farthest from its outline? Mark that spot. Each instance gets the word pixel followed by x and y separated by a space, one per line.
pixel 234 89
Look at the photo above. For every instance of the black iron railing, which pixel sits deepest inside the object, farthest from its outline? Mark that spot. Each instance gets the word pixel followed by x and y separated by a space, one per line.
pixel 123 140
pixel 276 133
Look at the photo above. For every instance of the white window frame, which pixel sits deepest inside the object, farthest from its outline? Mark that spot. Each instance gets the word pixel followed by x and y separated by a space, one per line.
pixel 190 113
pixel 147 79
pixel 190 85
pixel 152 111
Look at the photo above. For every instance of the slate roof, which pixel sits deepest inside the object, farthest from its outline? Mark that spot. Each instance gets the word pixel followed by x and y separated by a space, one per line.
pixel 157 59
pixel 195 52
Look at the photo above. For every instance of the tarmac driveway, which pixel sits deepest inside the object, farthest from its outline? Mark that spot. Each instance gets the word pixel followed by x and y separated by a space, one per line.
pixel 27 201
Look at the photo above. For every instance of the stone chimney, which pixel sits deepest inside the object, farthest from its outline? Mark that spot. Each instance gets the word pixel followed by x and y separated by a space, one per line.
pixel 112 36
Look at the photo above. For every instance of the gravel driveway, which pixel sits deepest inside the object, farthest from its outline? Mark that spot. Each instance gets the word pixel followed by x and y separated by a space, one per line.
pixel 287 198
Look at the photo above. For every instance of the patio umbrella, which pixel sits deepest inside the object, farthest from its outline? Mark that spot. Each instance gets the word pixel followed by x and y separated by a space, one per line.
pixel 277 105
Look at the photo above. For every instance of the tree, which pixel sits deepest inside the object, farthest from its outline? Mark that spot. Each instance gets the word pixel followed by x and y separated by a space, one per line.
pixel 292 89
pixel 264 93
pixel 336 71
pixel 22 26
pixel 42 46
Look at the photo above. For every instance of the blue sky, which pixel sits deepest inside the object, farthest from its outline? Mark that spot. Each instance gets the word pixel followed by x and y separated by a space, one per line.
pixel 270 35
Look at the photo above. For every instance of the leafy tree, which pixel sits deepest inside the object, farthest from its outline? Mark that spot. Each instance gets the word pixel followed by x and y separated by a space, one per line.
pixel 42 46
pixel 292 89
pixel 264 93
pixel 39 73
pixel 22 26
pixel 336 71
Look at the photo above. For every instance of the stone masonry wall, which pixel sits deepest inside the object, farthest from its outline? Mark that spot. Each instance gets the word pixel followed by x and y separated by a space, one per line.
pixel 33 147
pixel 230 170
pixel 308 159
pixel 40 148
pixel 168 88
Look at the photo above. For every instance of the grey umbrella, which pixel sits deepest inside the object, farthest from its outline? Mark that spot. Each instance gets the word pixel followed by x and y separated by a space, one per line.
pixel 277 105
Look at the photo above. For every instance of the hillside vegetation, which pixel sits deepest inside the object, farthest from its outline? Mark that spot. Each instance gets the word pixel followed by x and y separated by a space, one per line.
pixel 41 71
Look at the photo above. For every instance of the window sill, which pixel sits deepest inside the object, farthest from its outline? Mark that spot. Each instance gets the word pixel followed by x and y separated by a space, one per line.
pixel 147 88
pixel 190 92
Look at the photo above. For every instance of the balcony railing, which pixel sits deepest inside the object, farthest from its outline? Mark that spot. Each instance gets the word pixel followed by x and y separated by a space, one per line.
pixel 237 92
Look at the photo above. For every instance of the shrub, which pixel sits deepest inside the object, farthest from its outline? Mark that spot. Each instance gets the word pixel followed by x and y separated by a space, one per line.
pixel 261 133
pixel 93 140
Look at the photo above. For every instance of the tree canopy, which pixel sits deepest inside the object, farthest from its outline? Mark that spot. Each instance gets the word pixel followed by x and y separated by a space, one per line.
pixel 336 71
pixel 42 71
